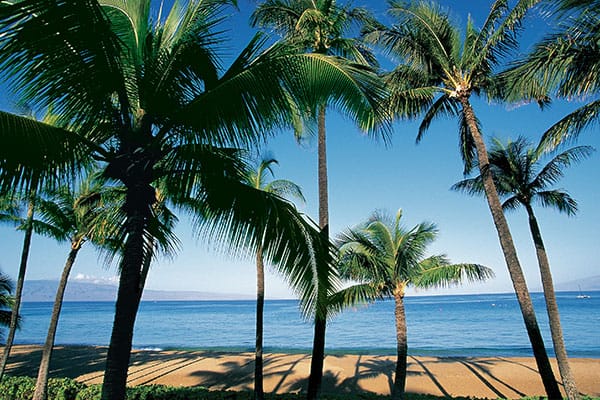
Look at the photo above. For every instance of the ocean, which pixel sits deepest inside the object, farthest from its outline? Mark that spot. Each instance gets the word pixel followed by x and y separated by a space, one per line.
pixel 456 325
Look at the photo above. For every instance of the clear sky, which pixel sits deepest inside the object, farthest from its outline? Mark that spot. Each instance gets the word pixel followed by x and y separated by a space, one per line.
pixel 365 175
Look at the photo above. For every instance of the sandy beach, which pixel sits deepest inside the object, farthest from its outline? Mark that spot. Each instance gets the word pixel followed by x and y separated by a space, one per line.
pixel 483 377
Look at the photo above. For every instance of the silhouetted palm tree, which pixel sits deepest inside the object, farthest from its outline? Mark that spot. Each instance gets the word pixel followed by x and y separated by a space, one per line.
pixel 257 178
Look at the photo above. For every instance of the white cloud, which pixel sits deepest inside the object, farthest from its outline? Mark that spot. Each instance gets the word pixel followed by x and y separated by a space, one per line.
pixel 110 280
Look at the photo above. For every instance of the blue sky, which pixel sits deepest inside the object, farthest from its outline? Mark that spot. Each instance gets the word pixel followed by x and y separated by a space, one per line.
pixel 366 175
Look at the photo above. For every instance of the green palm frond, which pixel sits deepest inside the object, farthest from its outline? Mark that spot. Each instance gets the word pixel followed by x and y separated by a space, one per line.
pixel 559 200
pixel 470 186
pixel 36 151
pixel 554 169
pixel 61 54
pixel 354 295
pixel 365 256
pixel 568 128
pixel 436 271
pixel 522 179
pixel 442 107
pixel 236 217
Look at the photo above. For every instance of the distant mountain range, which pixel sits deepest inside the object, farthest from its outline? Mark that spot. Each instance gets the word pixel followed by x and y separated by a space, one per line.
pixel 587 284
pixel 45 290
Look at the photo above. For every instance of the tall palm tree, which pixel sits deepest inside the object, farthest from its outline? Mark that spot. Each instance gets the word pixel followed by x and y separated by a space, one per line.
pixel 439 72
pixel 564 62
pixel 146 96
pixel 257 178
pixel 390 257
pixel 523 180
pixel 318 27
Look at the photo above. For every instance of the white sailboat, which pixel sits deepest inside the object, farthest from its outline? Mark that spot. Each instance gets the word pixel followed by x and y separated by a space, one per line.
pixel 581 295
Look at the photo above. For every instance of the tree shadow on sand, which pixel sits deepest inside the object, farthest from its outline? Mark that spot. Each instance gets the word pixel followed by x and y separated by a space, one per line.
pixel 67 362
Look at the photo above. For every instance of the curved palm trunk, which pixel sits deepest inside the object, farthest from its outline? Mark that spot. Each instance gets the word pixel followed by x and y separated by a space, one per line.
pixel 41 384
pixel 401 344
pixel 128 296
pixel 260 306
pixel 510 256
pixel 318 351
pixel 552 309
pixel 14 317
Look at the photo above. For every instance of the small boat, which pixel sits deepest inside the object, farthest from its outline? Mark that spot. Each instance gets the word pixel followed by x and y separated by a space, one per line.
pixel 582 296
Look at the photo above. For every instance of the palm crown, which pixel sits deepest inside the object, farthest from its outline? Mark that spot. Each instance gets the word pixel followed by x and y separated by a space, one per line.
pixel 441 65
pixel 391 256
pixel 522 179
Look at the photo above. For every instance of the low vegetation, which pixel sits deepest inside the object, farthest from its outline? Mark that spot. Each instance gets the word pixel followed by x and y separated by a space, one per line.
pixel 22 388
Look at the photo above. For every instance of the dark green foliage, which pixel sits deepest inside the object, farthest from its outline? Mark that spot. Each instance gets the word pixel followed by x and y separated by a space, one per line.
pixel 21 388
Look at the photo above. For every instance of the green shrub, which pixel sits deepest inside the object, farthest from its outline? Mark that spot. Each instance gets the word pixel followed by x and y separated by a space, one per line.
pixel 22 388
pixel 17 388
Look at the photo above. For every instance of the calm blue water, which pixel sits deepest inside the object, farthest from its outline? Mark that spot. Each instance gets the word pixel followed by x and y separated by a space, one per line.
pixel 469 325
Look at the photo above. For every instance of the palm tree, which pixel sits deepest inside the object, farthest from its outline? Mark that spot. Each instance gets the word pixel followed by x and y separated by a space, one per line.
pixel 318 27
pixel 63 216
pixel 521 178
pixel 147 98
pixel 257 178
pixel 24 224
pixel 390 257
pixel 437 76
pixel 93 214
pixel 565 62
pixel 6 300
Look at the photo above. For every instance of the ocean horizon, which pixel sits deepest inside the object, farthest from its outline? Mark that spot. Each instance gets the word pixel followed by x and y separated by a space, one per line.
pixel 439 325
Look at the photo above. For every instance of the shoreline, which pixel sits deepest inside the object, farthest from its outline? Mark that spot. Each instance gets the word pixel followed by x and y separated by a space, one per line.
pixel 517 352
pixel 482 377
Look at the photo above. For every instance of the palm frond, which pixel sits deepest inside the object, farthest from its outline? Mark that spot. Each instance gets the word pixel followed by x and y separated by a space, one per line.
pixel 61 54
pixel 557 199
pixel 436 271
pixel 36 151
pixel 570 126
pixel 553 170
pixel 354 295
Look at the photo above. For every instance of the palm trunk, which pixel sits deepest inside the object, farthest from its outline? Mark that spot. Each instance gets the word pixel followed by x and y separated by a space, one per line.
pixel 510 256
pixel 318 351
pixel 260 306
pixel 128 296
pixel 41 384
pixel 14 317
pixel 552 309
pixel 401 344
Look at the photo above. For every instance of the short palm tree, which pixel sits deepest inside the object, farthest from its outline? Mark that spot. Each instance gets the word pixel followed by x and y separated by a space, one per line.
pixel 441 68
pixel 566 63
pixel 257 178
pixel 141 90
pixel 64 216
pixel 523 180
pixel 319 27
pixel 25 224
pixel 386 255
pixel 6 300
